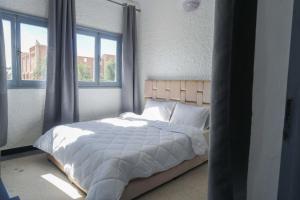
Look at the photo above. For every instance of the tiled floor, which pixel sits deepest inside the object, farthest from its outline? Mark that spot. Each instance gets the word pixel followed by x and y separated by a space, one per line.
pixel 34 178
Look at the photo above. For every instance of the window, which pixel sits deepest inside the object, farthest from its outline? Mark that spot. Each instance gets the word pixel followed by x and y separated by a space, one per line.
pixel 25 40
pixel 8 49
pixel 98 58
pixel 108 64
pixel 86 58
pixel 26 37
pixel 33 55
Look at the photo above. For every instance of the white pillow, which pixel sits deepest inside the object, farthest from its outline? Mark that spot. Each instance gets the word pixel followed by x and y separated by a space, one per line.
pixel 158 110
pixel 190 115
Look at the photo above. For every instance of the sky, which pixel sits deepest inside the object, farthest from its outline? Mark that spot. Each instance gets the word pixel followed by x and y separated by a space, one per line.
pixel 30 34
pixel 7 39
pixel 86 46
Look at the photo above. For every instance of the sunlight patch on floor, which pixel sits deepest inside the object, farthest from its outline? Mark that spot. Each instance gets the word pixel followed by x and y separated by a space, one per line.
pixel 64 186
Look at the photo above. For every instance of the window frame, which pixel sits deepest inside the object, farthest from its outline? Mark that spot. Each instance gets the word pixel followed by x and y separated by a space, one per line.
pixel 4 16
pixel 34 22
pixel 88 83
pixel 16 19
pixel 100 34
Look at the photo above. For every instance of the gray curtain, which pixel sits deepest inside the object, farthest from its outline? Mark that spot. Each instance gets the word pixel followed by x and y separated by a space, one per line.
pixel 62 91
pixel 3 91
pixel 231 107
pixel 130 90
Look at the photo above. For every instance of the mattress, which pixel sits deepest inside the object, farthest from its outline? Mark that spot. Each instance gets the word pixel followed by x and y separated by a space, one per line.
pixel 104 155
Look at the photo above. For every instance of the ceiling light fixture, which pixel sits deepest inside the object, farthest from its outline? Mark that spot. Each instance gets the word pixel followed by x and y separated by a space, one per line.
pixel 191 5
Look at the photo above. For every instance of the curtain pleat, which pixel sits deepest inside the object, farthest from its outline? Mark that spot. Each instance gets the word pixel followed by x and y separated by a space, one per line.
pixel 231 107
pixel 130 81
pixel 61 104
pixel 3 91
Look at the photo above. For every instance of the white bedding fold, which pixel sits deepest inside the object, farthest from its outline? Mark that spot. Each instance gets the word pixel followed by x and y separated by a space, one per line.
pixel 104 155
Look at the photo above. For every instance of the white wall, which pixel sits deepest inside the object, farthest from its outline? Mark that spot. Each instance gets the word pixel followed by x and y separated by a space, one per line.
pixel 273 37
pixel 172 43
pixel 26 105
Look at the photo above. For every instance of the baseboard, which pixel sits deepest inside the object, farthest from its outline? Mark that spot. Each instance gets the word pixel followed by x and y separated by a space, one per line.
pixel 18 150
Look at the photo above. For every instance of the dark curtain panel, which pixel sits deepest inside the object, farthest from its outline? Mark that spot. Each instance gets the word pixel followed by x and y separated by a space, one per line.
pixel 231 108
pixel 130 97
pixel 3 91
pixel 62 91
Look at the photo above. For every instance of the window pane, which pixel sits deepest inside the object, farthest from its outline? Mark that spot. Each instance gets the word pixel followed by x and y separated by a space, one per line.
pixel 108 64
pixel 7 41
pixel 33 52
pixel 85 57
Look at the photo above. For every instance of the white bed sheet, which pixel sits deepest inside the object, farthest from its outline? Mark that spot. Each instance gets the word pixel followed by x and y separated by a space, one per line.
pixel 104 155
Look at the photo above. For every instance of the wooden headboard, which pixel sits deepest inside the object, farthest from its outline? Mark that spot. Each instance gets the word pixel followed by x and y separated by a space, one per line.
pixel 186 91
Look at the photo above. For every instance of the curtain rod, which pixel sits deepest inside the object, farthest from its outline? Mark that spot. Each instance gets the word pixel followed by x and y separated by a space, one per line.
pixel 122 4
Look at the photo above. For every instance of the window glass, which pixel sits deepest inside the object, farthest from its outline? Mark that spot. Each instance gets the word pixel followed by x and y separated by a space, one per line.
pixel 8 50
pixel 86 58
pixel 108 63
pixel 33 55
pixel 26 39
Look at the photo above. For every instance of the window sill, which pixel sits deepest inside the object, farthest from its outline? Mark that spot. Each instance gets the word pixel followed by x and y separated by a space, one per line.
pixel 80 87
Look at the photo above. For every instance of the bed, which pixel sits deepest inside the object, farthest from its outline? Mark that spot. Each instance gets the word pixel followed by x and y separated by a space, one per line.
pixel 139 156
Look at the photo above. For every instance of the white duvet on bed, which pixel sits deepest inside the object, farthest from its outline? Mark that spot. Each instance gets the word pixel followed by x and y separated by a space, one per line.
pixel 104 155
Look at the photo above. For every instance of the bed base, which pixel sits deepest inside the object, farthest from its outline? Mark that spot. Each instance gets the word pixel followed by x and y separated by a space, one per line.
pixel 139 186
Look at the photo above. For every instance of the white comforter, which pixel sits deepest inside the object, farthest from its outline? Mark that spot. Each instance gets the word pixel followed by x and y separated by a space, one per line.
pixel 104 155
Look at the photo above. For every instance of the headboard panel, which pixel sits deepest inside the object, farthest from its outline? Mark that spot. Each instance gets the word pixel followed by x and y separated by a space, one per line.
pixel 185 91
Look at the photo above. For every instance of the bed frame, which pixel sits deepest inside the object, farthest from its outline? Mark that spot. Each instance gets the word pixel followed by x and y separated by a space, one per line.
pixel 195 92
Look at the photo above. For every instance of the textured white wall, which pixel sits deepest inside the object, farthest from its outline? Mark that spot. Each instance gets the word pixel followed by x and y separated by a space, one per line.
pixel 33 7
pixel 26 105
pixel 172 43
pixel 273 35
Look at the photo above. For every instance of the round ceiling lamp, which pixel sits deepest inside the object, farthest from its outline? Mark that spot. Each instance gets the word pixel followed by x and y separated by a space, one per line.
pixel 191 5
